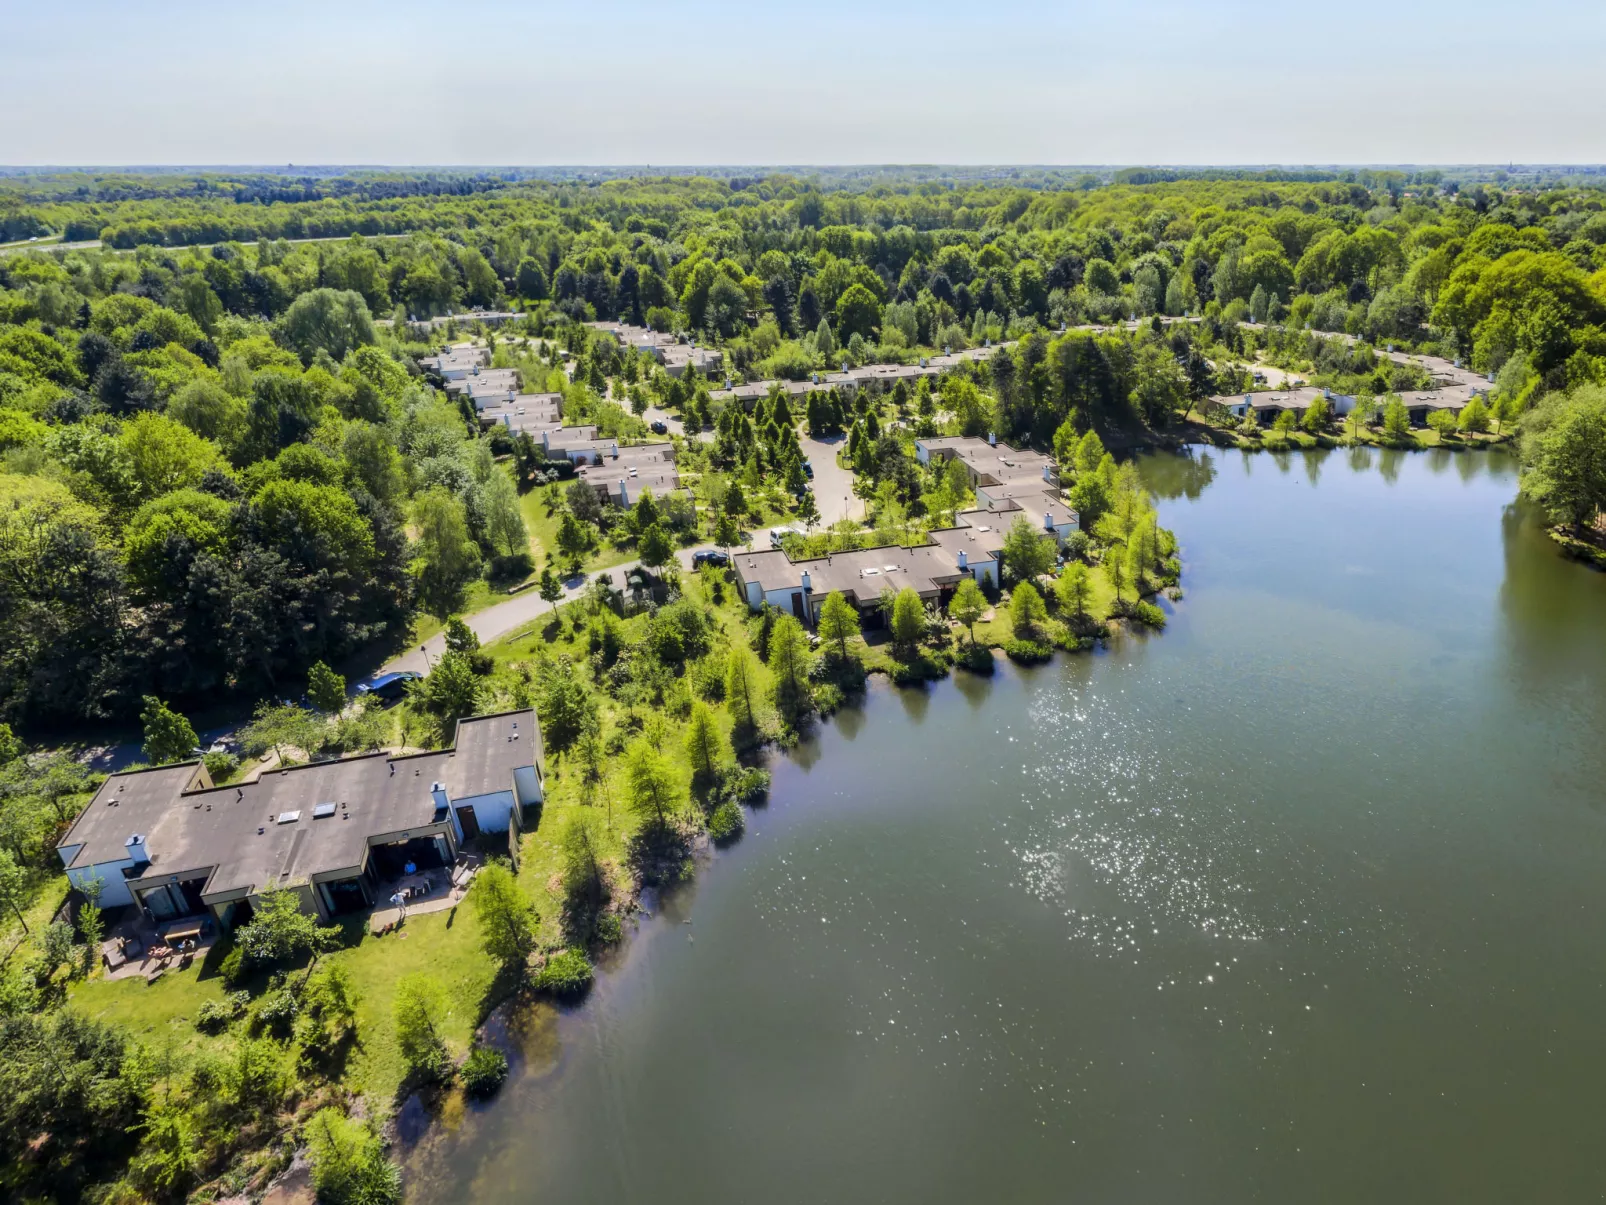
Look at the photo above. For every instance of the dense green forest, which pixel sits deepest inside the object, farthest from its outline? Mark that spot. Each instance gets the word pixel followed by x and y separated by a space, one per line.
pixel 218 467
pixel 223 465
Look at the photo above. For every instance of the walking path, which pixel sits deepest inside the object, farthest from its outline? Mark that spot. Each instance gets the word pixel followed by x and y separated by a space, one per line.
pixel 504 617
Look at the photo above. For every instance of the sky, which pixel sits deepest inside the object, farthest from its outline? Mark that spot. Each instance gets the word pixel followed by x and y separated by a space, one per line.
pixel 610 82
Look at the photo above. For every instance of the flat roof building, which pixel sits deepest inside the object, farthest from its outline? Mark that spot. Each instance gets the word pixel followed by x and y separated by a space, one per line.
pixel 171 843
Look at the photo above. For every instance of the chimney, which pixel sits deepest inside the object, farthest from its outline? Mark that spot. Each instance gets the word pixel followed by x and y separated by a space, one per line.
pixel 135 845
pixel 964 561
pixel 992 439
pixel 438 793
pixel 807 587
pixel 1048 520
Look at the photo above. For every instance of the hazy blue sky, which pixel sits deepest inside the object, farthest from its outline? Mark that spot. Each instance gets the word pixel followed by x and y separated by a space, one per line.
pixel 617 81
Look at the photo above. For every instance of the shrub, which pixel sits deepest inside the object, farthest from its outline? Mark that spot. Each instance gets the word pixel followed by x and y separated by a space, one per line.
pixel 514 568
pixel 1077 545
pixel 745 784
pixel 566 973
pixel 1027 652
pixel 214 1015
pixel 276 1012
pixel 977 658
pixel 608 930
pixel 483 1072
pixel 1148 613
pixel 726 823
pixel 232 969
pixel 219 766
pixel 349 1165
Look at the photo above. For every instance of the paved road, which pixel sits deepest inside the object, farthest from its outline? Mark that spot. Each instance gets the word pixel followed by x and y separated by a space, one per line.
pixel 833 486
pixel 504 617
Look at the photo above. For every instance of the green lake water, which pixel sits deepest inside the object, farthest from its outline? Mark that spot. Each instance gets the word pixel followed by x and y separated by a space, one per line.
pixel 1301 900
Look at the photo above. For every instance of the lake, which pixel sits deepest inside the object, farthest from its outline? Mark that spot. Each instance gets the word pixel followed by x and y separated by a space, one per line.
pixel 1300 900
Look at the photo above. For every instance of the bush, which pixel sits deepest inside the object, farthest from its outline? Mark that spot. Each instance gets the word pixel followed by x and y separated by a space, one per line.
pixel 566 973
pixel 1077 545
pixel 513 568
pixel 232 969
pixel 608 930
pixel 745 784
pixel 483 1072
pixel 276 1012
pixel 219 766
pixel 214 1016
pixel 977 658
pixel 726 823
pixel 1027 652
pixel 1148 613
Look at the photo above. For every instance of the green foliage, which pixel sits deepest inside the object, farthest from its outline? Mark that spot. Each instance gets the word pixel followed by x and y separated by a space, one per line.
pixel 214 1016
pixel 483 1072
pixel 968 605
pixel 1027 614
pixel 1028 550
pixel 349 1164
pixel 726 822
pixel 838 622
pixel 789 663
pixel 567 974
pixel 279 930
pixel 507 921
pixel 706 746
pixel 418 1012
pixel 908 619
pixel 1564 455
pixel 652 788
pixel 168 735
pixel 1027 652
pixel 326 689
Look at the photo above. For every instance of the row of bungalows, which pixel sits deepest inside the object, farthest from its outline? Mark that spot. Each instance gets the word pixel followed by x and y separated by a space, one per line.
pixel 884 376
pixel 457 361
pixel 1010 485
pixel 1418 403
pixel 169 842
pixel 670 351
pixel 488 317
pixel 1006 481
pixel 620 473
pixel 1267 406
pixel 933 571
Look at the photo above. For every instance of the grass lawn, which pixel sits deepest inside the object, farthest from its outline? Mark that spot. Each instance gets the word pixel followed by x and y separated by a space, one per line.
pixel 443 944
pixel 47 891
pixel 156 1013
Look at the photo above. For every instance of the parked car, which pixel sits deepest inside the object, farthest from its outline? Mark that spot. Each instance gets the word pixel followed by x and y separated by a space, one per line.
pixel 709 556
pixel 660 428
pixel 388 686
pixel 779 534
pixel 808 470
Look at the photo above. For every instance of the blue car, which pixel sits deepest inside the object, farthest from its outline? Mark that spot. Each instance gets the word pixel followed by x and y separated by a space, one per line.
pixel 388 686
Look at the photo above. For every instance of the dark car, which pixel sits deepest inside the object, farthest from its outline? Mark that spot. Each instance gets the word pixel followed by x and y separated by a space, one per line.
pixel 709 556
pixel 660 428
pixel 808 470
pixel 388 686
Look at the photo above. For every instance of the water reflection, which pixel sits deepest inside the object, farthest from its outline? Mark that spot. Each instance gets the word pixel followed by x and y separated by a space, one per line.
pixel 916 701
pixel 1389 463
pixel 1184 475
pixel 975 687
pixel 1313 458
pixel 1360 458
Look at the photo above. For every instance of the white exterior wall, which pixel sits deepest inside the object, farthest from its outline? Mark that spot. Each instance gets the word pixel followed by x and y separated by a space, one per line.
pixel 985 573
pixel 527 785
pixel 114 892
pixel 490 810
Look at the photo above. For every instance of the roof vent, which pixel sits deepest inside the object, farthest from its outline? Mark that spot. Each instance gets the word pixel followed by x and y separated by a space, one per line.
pixel 323 811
